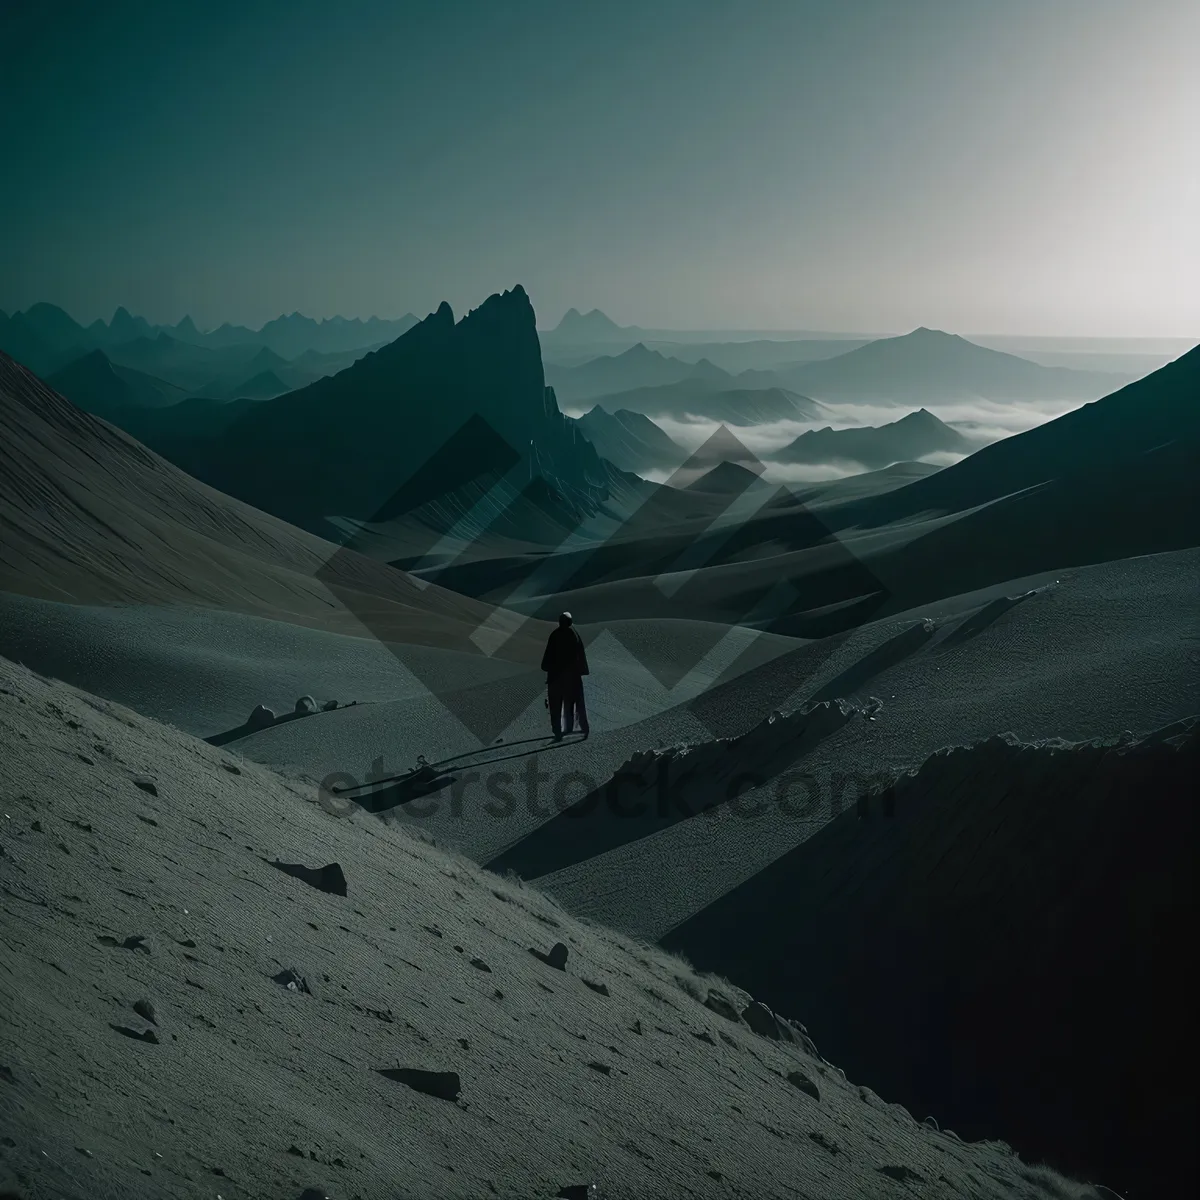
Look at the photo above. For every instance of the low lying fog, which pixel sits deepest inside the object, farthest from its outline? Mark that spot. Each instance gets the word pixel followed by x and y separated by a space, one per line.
pixel 982 420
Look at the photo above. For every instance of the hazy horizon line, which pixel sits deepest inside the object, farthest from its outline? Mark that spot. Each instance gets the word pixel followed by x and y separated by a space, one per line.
pixel 782 333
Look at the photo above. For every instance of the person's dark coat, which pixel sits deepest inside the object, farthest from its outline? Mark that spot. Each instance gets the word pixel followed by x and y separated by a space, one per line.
pixel 564 654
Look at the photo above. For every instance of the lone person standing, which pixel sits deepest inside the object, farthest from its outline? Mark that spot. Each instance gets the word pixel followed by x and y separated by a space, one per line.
pixel 565 663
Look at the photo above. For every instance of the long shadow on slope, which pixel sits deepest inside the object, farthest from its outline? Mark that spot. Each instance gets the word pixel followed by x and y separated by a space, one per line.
pixel 1008 952
pixel 386 794
pixel 895 650
pixel 981 619
pixel 657 789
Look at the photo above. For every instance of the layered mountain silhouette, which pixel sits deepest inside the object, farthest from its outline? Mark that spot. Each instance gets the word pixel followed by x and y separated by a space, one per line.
pixel 97 385
pixel 263 386
pixel 293 335
pixel 45 338
pixel 192 367
pixel 443 405
pixel 630 440
pixel 909 439
pixel 636 367
pixel 40 336
pixel 1113 479
pixel 588 328
pixel 92 516
pixel 123 327
pixel 1102 438
pixel 929 366
pixel 702 395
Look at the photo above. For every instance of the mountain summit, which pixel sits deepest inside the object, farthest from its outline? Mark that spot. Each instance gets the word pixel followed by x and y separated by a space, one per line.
pixel 446 404
pixel 930 365
pixel 594 326
pixel 911 438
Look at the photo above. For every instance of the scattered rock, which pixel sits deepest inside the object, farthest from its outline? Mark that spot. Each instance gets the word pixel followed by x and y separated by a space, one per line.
pixel 901 1173
pixel 291 979
pixel 807 1086
pixel 480 965
pixel 825 1142
pixel 146 784
pixel 722 1006
pixel 329 706
pixel 7 1075
pixel 261 717
pixel 135 942
pixel 328 878
pixel 145 1010
pixel 557 958
pixel 36 826
pixel 445 1085
pixel 766 1024
pixel 603 1068
pixel 599 988
pixel 231 768
pixel 306 704
pixel 144 1035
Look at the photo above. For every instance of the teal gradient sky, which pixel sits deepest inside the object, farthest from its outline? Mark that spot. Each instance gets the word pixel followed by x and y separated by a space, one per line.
pixel 1005 166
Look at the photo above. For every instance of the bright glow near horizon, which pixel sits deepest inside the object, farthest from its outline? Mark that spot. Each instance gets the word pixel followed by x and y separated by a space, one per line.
pixel 1017 168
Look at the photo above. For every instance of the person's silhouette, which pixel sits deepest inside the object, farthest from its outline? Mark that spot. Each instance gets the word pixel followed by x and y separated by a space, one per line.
pixel 565 663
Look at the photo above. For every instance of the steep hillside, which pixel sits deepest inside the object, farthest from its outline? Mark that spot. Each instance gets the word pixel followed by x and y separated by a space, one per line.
pixel 89 514
pixel 370 1015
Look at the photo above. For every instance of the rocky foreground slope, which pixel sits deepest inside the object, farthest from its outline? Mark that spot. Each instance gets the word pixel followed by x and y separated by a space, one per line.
pixel 189 1012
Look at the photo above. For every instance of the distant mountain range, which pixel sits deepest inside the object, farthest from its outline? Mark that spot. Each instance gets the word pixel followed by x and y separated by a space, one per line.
pixel 443 406
pixel 45 338
pixel 636 367
pixel 928 366
pixel 597 328
pixel 921 368
pixel 911 438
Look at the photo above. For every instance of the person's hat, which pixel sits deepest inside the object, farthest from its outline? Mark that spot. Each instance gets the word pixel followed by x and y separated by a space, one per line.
pixel 565 617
